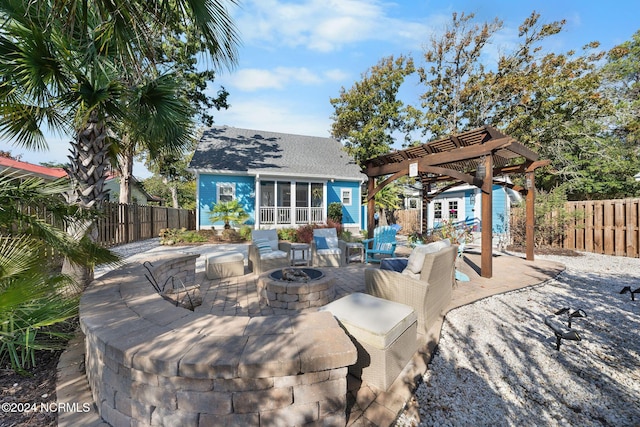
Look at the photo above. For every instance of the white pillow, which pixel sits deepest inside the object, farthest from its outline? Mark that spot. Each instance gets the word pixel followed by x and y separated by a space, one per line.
pixel 416 259
pixel 264 246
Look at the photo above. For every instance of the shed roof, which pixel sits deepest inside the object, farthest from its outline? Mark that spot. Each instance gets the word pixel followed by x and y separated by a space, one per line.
pixel 224 149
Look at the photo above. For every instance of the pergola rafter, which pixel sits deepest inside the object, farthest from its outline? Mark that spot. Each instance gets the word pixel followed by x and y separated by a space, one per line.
pixel 456 159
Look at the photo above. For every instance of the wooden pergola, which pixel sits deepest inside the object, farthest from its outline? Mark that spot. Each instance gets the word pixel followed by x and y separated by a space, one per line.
pixel 474 157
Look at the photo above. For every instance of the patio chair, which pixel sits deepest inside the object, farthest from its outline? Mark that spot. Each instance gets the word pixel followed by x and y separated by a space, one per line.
pixel 266 253
pixel 326 249
pixel 382 244
pixel 425 281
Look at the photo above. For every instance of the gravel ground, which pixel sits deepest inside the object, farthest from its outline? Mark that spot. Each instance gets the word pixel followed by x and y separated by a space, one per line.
pixel 497 362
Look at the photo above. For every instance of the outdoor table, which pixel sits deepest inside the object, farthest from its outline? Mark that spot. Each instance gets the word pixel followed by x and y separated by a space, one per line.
pixel 350 256
pixel 305 258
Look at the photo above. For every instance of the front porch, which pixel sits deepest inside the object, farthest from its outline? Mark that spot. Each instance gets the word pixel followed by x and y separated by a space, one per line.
pixel 290 203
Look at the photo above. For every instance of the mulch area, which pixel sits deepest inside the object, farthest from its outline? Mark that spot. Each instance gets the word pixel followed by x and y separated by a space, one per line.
pixel 18 392
pixel 545 251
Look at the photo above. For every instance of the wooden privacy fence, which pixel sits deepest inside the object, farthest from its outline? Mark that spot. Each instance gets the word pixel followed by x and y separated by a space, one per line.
pixel 610 227
pixel 123 223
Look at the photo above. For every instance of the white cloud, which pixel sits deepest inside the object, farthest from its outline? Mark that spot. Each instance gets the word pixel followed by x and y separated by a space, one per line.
pixel 253 79
pixel 326 26
pixel 259 114
pixel 336 75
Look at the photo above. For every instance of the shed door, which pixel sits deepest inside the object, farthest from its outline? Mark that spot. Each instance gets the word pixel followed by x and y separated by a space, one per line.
pixel 451 209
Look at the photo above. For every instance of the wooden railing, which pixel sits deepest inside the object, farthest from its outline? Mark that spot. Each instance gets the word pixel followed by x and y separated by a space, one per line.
pixel 282 216
pixel 121 223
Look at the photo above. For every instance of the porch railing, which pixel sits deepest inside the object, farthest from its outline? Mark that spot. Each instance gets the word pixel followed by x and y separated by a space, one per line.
pixel 282 216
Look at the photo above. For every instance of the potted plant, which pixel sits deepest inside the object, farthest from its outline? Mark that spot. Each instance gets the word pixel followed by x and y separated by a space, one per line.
pixel 229 212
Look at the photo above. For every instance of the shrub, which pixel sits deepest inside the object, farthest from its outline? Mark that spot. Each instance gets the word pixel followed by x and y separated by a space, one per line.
pixel 288 234
pixel 37 302
pixel 455 232
pixel 229 212
pixel 332 224
pixel 345 235
pixel 230 235
pixel 304 234
pixel 335 212
pixel 551 219
pixel 245 232
pixel 173 236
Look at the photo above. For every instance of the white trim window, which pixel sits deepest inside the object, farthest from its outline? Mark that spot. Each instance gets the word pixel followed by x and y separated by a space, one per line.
pixel 225 191
pixel 346 196
pixel 412 203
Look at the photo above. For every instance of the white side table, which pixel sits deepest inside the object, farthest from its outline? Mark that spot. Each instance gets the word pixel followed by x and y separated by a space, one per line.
pixel 355 252
pixel 304 256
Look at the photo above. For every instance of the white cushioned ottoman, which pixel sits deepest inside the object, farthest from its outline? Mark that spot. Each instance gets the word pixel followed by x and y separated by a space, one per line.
pixel 385 333
pixel 220 265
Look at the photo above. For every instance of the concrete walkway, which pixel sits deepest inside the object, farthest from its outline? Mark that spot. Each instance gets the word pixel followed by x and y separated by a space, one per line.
pixel 366 405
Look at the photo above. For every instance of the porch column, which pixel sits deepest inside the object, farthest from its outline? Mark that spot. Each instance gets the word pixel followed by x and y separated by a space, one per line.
pixel 371 206
pixel 256 202
pixel 293 203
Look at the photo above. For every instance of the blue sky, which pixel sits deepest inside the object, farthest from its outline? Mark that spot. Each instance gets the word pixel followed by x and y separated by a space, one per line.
pixel 296 55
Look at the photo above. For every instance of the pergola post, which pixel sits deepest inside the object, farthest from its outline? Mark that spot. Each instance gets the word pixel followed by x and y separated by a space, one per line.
pixel 371 206
pixel 486 267
pixel 530 214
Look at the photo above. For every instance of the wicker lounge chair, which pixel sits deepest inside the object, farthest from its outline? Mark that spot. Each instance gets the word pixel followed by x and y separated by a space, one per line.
pixel 326 249
pixel 266 253
pixel 428 292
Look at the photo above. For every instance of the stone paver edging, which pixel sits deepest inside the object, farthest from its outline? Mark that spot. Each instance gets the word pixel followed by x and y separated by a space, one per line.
pixel 150 363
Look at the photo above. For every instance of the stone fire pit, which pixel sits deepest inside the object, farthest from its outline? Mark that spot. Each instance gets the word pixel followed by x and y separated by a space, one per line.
pixel 306 287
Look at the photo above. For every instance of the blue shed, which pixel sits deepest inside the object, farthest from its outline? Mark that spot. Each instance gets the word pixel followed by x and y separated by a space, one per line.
pixel 463 204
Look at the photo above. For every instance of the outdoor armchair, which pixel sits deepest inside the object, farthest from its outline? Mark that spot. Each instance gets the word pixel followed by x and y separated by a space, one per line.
pixel 326 249
pixel 428 292
pixel 266 253
pixel 382 244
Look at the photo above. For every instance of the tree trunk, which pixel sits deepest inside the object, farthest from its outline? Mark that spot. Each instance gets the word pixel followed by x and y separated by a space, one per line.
pixel 125 168
pixel 89 160
pixel 174 192
pixel 174 196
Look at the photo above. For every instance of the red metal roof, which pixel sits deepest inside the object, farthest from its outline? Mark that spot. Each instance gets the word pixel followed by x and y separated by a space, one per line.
pixel 31 169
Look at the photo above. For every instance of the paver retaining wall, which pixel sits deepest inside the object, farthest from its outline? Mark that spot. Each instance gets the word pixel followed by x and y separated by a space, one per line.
pixel 150 363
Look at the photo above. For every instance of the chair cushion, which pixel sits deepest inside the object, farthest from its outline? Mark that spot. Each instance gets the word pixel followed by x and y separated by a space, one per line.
pixel 330 251
pixel 264 246
pixel 416 259
pixel 370 319
pixel 394 264
pixel 270 235
pixel 321 242
pixel 332 242
pixel 224 257
pixel 407 273
pixel 273 255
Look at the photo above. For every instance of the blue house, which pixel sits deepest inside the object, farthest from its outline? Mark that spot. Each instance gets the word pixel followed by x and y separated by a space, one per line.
pixel 281 180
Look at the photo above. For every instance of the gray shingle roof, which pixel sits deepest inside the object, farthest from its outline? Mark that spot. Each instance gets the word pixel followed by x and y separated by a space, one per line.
pixel 229 149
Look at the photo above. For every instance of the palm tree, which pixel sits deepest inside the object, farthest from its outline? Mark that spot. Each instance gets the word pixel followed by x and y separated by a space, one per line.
pixel 87 68
pixel 230 212
pixel 33 294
